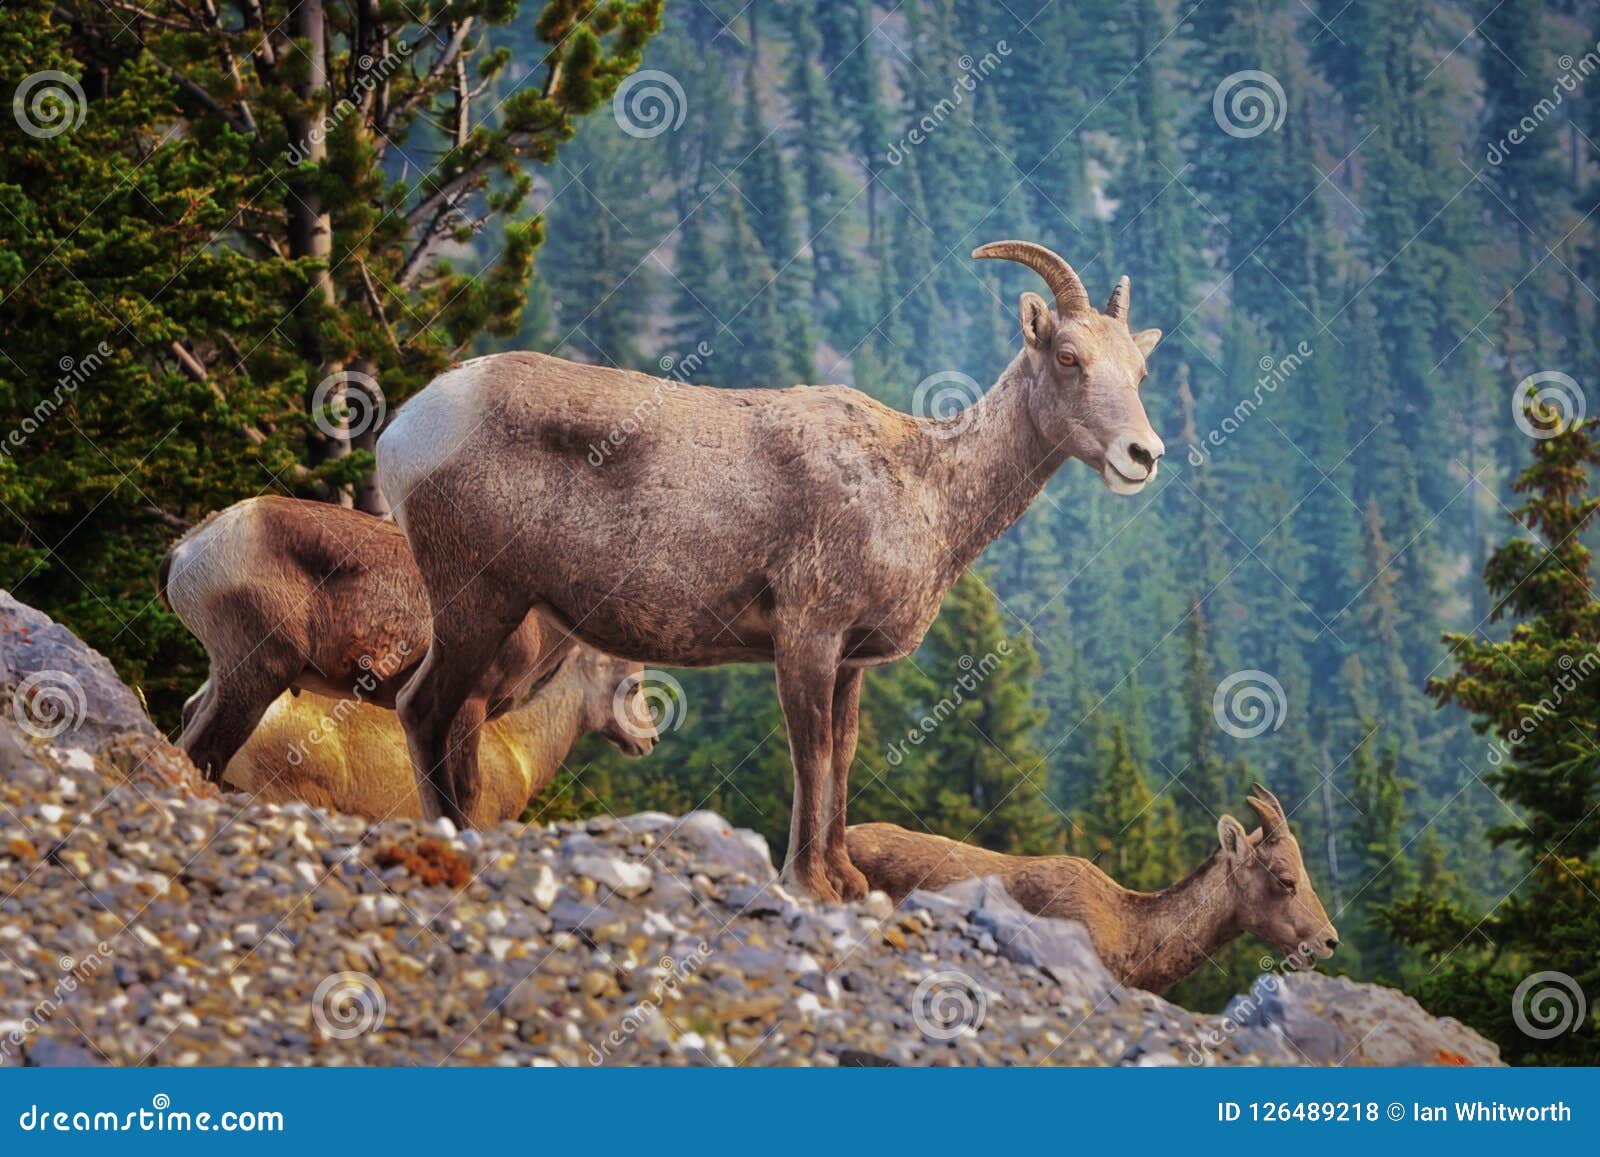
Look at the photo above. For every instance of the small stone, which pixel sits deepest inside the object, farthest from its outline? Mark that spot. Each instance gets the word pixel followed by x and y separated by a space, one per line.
pixel 545 888
pixel 877 905
pixel 622 877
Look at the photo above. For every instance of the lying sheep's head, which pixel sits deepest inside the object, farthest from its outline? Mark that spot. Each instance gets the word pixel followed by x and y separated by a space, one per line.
pixel 1273 893
pixel 614 701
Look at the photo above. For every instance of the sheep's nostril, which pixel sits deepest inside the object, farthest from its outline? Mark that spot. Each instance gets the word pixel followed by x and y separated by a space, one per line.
pixel 1332 943
pixel 1142 456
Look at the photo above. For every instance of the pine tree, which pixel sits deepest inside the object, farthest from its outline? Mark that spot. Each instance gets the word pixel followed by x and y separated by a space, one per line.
pixel 602 230
pixel 765 185
pixel 232 201
pixel 1204 781
pixel 834 293
pixel 751 309
pixel 1131 834
pixel 986 779
pixel 1382 871
pixel 1538 712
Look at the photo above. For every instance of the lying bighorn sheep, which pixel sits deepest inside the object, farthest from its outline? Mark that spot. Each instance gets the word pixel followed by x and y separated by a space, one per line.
pixel 812 528
pixel 289 593
pixel 1254 883
pixel 351 756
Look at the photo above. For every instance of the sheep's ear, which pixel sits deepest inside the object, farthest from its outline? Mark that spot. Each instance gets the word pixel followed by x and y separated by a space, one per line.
pixel 1146 340
pixel 1038 327
pixel 1235 841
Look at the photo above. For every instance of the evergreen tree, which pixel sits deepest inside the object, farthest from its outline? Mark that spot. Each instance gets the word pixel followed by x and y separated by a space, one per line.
pixel 987 782
pixel 769 197
pixel 229 192
pixel 1129 832
pixel 1382 871
pixel 1533 703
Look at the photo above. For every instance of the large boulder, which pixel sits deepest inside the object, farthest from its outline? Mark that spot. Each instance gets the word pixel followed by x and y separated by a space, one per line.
pixel 59 693
pixel 1059 948
pixel 60 688
pixel 1333 1020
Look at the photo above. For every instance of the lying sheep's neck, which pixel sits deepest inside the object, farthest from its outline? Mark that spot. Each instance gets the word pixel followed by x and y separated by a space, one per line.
pixel 1178 928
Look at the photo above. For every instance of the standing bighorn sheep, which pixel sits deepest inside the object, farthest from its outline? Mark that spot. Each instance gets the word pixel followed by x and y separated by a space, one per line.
pixel 351 756
pixel 289 593
pixel 811 527
pixel 1254 883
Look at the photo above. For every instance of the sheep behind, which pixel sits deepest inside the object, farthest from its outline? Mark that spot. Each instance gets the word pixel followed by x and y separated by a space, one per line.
pixel 285 592
pixel 351 756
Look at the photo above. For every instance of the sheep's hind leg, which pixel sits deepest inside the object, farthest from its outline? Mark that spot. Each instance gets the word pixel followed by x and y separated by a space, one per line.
pixel 806 670
pixel 443 706
pixel 218 725
pixel 844 875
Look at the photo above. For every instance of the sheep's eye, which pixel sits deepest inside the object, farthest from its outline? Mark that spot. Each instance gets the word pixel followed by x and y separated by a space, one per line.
pixel 1286 884
pixel 1067 358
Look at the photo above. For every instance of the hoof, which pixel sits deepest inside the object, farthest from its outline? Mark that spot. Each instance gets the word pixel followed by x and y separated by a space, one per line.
pixel 848 880
pixel 810 879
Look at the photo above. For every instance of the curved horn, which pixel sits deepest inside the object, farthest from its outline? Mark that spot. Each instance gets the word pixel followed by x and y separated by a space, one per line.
pixel 1118 305
pixel 1070 295
pixel 1274 823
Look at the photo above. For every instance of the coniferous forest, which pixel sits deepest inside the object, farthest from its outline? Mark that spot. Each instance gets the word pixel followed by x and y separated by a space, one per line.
pixel 1367 230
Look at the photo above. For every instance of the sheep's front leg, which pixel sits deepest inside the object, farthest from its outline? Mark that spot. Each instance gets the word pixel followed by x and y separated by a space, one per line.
pixel 844 876
pixel 806 669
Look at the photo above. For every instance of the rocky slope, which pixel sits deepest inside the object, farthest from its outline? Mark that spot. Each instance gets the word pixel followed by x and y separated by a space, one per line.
pixel 145 920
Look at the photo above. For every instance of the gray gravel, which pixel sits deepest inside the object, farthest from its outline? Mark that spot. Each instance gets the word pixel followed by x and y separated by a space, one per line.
pixel 198 931
pixel 144 919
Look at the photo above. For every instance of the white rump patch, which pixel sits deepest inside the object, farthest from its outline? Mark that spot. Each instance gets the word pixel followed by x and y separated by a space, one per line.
pixel 428 430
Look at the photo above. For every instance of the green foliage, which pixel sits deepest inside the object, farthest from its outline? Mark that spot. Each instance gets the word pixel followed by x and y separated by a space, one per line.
pixel 1537 711
pixel 240 212
pixel 1129 831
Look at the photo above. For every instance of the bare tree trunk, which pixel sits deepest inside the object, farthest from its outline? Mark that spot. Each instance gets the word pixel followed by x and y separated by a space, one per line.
pixel 1333 840
pixel 370 414
pixel 311 235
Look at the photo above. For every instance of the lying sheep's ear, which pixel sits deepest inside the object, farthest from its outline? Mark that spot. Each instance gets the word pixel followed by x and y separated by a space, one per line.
pixel 1235 841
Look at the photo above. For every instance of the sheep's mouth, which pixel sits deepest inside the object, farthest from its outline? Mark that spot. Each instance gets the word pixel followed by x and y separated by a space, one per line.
pixel 631 747
pixel 1119 483
pixel 1303 954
